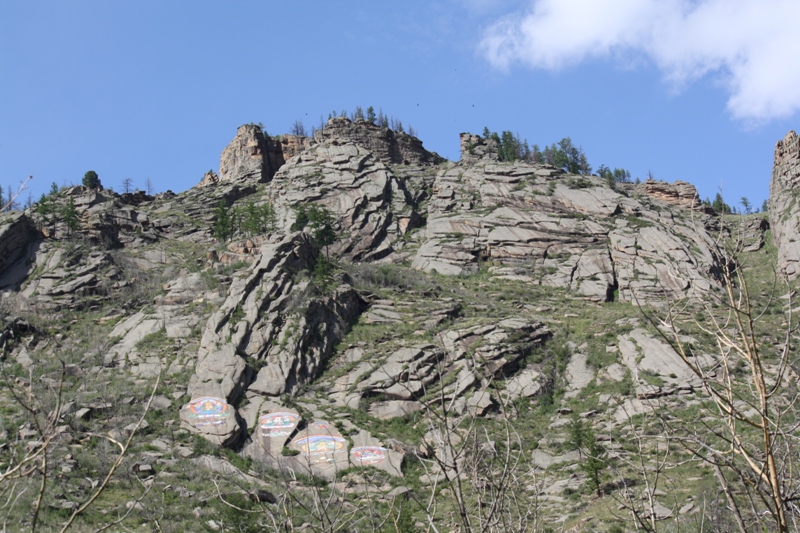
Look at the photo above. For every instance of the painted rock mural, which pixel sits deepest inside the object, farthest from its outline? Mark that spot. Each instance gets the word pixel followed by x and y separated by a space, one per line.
pixel 213 417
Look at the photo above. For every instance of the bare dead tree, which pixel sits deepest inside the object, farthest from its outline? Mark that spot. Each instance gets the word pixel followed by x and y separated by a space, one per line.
pixel 12 196
pixel 751 391
pixel 486 473
pixel 21 467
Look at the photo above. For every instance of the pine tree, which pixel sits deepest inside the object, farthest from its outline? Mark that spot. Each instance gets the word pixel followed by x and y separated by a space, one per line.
pixel 91 180
pixel 321 222
pixel 223 222
pixel 69 215
pixel 45 209
pixel 255 219
pixel 719 205
pixel 594 463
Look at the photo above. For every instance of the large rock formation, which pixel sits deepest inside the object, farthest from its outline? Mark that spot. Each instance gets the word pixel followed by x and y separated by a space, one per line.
pixel 374 204
pixel 678 193
pixel 474 147
pixel 273 320
pixel 784 215
pixel 536 223
pixel 387 145
pixel 302 372
pixel 250 156
pixel 274 331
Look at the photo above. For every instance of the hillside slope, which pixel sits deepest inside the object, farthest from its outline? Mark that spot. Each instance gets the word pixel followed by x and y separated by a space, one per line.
pixel 442 361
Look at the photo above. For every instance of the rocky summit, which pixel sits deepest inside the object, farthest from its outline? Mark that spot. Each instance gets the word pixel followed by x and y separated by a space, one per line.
pixel 348 332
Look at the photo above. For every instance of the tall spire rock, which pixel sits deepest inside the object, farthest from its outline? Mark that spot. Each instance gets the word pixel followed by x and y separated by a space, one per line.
pixel 250 156
pixel 784 214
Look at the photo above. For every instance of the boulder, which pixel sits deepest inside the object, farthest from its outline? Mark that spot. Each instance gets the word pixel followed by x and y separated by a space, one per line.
pixel 213 418
pixel 369 451
pixel 274 428
pixel 475 147
pixel 323 450
pixel 209 178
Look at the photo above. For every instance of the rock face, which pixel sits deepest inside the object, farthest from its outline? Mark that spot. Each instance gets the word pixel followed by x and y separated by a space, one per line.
pixel 678 193
pixel 268 379
pixel 291 145
pixel 388 146
pixel 17 234
pixel 273 333
pixel 467 361
pixel 474 147
pixel 250 156
pixel 375 204
pixel 644 354
pixel 536 223
pixel 270 319
pixel 260 351
pixel 784 215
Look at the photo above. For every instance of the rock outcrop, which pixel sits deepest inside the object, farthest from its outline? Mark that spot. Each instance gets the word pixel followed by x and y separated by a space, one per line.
pixel 374 204
pixel 273 333
pixel 250 156
pixel 474 147
pixel 784 215
pixel 387 146
pixel 17 235
pixel 209 178
pixel 292 145
pixel 460 370
pixel 271 319
pixel 536 223
pixel 678 193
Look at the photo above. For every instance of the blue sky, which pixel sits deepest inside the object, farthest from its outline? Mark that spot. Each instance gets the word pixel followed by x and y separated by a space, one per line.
pixel 692 90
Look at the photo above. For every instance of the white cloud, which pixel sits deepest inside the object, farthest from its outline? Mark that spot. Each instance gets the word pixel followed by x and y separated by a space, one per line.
pixel 751 44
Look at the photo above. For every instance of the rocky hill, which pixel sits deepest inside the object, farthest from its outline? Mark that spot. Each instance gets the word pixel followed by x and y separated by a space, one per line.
pixel 438 362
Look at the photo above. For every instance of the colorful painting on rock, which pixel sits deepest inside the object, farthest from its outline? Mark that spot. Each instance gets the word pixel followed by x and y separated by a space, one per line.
pixel 368 455
pixel 209 411
pixel 320 448
pixel 278 424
